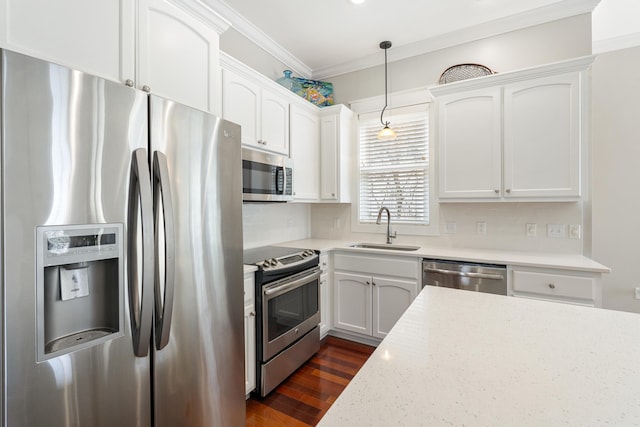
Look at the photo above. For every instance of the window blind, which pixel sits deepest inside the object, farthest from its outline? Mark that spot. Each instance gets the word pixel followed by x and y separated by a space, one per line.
pixel 395 173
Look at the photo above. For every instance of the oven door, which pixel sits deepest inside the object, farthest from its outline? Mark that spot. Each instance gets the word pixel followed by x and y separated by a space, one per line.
pixel 290 309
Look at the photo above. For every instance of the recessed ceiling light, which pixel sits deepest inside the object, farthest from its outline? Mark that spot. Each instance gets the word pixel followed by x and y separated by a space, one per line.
pixel 357 1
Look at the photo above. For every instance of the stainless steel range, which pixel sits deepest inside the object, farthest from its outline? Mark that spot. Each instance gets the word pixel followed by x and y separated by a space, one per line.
pixel 288 311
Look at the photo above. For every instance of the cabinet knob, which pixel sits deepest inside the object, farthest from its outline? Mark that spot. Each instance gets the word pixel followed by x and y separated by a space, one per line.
pixel 368 283
pixel 252 314
pixel 552 286
pixel 146 89
pixel 333 194
pixel 129 83
pixel 373 283
pixel 497 191
pixel 508 190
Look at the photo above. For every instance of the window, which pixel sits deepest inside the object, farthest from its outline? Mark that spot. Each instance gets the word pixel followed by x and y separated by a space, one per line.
pixel 395 173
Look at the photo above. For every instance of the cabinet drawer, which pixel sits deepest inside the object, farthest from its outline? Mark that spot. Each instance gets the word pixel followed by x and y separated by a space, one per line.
pixel 553 285
pixel 377 265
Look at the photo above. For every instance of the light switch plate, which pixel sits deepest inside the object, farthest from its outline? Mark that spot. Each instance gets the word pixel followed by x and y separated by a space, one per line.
pixel 481 227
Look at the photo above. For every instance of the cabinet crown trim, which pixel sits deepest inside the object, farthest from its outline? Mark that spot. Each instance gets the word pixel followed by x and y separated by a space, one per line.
pixel 204 13
pixel 577 64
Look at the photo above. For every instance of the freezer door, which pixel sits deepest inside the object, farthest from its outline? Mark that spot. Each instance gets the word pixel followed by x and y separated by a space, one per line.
pixel 199 373
pixel 67 143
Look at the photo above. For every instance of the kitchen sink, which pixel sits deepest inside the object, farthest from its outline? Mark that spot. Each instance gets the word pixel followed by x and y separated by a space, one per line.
pixel 388 247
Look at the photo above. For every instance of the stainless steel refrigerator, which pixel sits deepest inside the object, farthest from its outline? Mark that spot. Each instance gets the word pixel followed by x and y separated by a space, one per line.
pixel 121 257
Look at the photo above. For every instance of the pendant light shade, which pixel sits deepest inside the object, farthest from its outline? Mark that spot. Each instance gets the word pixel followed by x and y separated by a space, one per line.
pixel 386 134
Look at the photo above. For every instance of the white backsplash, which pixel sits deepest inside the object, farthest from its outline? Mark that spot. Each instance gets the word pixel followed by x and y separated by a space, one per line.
pixel 505 226
pixel 268 223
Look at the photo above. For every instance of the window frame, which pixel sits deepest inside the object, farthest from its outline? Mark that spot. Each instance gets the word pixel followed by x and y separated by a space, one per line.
pixel 399 102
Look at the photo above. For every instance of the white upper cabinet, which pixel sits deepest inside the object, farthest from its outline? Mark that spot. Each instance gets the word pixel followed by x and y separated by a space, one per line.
pixel 337 127
pixel 167 47
pixel 177 55
pixel 470 155
pixel 305 149
pixel 518 136
pixel 87 35
pixel 263 114
pixel 542 132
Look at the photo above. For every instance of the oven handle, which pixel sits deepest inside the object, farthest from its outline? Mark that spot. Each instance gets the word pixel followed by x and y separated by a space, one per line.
pixel 464 274
pixel 289 286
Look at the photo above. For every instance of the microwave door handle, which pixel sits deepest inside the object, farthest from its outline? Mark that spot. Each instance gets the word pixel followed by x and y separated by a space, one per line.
pixel 140 205
pixel 280 170
pixel 163 202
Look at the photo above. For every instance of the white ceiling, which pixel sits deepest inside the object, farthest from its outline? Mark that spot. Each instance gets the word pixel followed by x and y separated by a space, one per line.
pixel 321 39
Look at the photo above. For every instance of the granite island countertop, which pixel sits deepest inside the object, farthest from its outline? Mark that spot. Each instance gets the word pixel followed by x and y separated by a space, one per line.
pixel 468 358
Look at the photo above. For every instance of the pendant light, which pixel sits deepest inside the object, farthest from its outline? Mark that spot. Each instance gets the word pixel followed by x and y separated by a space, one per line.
pixel 386 134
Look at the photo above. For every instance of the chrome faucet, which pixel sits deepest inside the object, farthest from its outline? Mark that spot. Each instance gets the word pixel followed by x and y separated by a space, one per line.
pixel 389 235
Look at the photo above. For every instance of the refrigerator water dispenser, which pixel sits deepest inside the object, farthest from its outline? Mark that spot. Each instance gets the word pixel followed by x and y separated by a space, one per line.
pixel 80 280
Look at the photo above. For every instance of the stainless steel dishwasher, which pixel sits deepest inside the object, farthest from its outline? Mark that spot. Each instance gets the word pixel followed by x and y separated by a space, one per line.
pixel 489 278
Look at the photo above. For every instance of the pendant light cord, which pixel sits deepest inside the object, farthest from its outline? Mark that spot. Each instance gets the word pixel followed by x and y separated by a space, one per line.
pixel 385 45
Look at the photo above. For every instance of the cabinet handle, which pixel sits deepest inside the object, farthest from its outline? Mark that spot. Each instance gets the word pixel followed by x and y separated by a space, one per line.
pixel 129 83
pixel 146 89
pixel 552 286
pixel 497 191
pixel 508 190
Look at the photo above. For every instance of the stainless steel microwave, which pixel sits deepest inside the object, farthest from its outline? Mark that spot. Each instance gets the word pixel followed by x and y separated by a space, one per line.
pixel 266 177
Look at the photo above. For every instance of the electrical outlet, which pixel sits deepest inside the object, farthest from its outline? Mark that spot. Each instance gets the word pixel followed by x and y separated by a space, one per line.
pixel 481 227
pixel 638 292
pixel 450 228
pixel 556 231
pixel 574 231
pixel 531 230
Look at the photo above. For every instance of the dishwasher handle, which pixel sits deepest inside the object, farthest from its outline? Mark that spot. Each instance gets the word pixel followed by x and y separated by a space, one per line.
pixel 464 274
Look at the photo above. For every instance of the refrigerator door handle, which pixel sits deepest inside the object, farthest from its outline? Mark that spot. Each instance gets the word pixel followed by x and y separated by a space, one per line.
pixel 163 204
pixel 140 277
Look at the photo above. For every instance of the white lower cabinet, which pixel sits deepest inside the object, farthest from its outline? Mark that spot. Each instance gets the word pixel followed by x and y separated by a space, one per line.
pixel 569 286
pixel 371 292
pixel 249 333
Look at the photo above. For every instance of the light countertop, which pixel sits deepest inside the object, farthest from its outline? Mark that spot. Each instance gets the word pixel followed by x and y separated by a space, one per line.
pixel 468 358
pixel 526 259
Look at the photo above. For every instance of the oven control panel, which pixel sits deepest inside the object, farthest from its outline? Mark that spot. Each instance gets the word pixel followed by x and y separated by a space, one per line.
pixel 287 261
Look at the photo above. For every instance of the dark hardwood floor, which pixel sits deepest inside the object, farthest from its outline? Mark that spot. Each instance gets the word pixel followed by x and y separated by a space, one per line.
pixel 308 393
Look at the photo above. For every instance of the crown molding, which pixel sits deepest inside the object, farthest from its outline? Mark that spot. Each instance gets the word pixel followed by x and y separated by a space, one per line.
pixel 616 43
pixel 519 21
pixel 552 12
pixel 204 13
pixel 253 33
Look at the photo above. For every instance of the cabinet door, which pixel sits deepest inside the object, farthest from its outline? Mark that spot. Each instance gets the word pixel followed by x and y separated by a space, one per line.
pixel 542 137
pixel 305 147
pixel 352 307
pixel 469 136
pixel 274 123
pixel 240 102
pixel 94 36
pixel 177 55
pixel 391 297
pixel 249 348
pixel 329 158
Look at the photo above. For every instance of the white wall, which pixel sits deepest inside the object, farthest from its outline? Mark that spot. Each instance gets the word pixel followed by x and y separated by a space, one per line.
pixel 540 44
pixel 616 174
pixel 268 223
